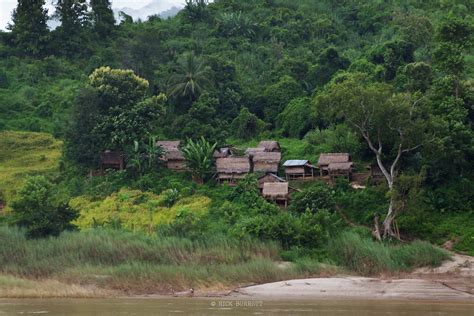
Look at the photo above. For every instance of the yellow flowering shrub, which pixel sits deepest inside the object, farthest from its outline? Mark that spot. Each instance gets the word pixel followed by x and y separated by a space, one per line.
pixel 134 210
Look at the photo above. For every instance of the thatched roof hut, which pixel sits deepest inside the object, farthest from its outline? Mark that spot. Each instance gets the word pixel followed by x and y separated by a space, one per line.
pixel 277 191
pixel 266 161
pixel 231 168
pixel 173 155
pixel 340 169
pixel 169 145
pixel 340 166
pixel 111 160
pixel 268 178
pixel 298 169
pixel 269 145
pixel 326 159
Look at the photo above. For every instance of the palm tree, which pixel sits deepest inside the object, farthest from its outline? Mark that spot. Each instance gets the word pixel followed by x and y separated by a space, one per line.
pixel 190 78
pixel 198 157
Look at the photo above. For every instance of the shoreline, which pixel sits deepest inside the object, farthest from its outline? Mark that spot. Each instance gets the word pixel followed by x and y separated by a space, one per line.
pixel 452 281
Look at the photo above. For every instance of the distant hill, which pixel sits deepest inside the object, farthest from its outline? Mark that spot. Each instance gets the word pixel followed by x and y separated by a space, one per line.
pixel 162 8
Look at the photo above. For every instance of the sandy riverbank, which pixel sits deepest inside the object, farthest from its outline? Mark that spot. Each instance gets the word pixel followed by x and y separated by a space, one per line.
pixel 454 280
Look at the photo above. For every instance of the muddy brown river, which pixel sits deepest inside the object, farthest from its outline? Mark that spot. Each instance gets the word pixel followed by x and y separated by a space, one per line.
pixel 223 306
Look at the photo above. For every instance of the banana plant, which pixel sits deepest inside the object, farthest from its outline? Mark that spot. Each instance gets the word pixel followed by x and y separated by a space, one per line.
pixel 198 155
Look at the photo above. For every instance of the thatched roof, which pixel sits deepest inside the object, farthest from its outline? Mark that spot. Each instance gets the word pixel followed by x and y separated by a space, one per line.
pixel 171 148
pixel 328 158
pixel 233 165
pixel 275 190
pixel 272 175
pixel 269 145
pixel 268 157
pixel 340 166
pixel 252 151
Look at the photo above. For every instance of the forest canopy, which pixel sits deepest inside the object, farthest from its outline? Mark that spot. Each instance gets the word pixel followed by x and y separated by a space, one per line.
pixel 388 81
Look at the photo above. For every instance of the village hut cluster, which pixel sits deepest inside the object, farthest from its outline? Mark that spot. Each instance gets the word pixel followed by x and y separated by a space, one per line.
pixel 263 160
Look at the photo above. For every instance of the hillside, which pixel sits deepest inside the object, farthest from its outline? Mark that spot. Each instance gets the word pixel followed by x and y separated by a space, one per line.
pixel 23 154
pixel 382 88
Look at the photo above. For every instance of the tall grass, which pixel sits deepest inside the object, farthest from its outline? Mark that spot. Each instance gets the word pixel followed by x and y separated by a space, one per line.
pixel 367 257
pixel 136 263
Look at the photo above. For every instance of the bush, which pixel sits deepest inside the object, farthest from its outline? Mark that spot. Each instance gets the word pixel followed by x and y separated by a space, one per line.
pixel 337 138
pixel 310 231
pixel 295 120
pixel 367 257
pixel 135 210
pixel 247 125
pixel 313 199
pixel 37 210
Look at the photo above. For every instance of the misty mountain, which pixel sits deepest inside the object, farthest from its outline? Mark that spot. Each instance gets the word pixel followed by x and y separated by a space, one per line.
pixel 163 8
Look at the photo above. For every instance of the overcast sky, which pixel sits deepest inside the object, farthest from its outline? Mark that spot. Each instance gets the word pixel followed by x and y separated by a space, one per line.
pixel 6 7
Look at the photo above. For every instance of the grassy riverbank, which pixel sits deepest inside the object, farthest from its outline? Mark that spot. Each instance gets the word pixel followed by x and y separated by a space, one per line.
pixel 97 263
pixel 138 264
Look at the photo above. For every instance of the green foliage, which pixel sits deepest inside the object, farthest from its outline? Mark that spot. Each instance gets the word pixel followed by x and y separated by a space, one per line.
pixel 279 94
pixel 306 230
pixel 257 59
pixel 135 210
pixel 236 24
pixel 313 199
pixel 295 119
pixel 190 78
pixel 199 160
pixel 368 257
pixel 115 113
pixel 25 154
pixel 117 87
pixel 246 125
pixel 29 28
pixel 141 264
pixel 202 121
pixel 103 19
pixel 337 138
pixel 144 157
pixel 416 76
pixel 392 55
pixel 73 17
pixel 37 210
pixel 196 10
pixel 328 64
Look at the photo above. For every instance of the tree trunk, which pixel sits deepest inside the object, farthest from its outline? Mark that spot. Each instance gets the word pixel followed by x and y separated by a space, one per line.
pixel 388 222
pixel 376 232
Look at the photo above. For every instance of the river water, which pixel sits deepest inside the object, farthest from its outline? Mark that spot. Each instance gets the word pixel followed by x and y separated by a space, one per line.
pixel 230 306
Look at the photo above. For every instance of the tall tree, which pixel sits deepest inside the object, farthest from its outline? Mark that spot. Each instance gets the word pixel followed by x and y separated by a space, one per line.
pixel 113 112
pixel 103 19
pixel 190 78
pixel 455 36
pixel 392 125
pixel 73 17
pixel 29 28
